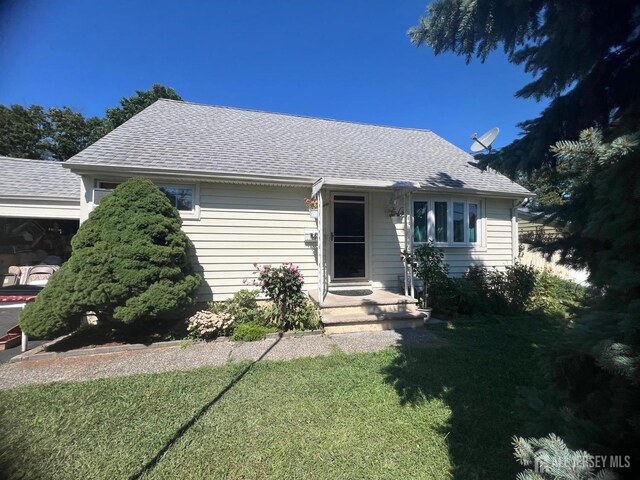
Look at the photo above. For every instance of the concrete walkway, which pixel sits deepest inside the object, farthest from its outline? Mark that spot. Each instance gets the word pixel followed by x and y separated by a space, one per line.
pixel 154 360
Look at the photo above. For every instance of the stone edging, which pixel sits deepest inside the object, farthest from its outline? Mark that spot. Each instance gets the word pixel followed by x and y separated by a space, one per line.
pixel 38 353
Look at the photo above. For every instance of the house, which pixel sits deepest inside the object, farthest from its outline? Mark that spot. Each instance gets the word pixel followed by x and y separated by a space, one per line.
pixel 39 211
pixel 240 179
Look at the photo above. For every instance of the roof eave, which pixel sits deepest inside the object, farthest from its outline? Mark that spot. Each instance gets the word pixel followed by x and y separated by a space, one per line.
pixel 81 169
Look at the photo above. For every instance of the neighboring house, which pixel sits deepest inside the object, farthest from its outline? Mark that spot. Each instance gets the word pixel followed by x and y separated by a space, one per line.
pixel 530 223
pixel 39 211
pixel 38 189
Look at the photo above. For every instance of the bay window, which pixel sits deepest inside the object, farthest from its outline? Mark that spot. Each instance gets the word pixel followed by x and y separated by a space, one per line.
pixel 447 222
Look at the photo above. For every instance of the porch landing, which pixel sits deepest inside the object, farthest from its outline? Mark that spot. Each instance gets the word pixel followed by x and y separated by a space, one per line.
pixel 382 310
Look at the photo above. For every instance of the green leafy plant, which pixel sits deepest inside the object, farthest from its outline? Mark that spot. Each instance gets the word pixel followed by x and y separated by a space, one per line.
pixel 241 308
pixel 130 263
pixel 427 263
pixel 283 286
pixel 250 332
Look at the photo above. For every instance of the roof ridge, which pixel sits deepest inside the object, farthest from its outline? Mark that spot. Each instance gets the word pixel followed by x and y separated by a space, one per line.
pixel 335 120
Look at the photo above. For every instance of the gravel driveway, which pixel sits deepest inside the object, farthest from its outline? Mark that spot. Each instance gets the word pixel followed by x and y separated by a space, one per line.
pixel 154 360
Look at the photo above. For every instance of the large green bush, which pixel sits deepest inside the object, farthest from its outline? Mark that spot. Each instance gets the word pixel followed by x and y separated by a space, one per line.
pixel 130 263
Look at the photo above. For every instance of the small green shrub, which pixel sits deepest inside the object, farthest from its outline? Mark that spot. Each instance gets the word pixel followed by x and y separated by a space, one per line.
pixel 250 332
pixel 241 308
pixel 305 315
pixel 427 263
pixel 554 296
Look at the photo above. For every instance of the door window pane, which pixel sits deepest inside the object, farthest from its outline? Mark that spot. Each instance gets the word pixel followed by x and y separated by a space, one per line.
pixel 440 212
pixel 473 223
pixel 420 215
pixel 458 222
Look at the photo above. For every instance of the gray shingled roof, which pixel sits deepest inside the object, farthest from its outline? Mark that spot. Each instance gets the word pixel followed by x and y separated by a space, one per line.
pixel 21 177
pixel 192 137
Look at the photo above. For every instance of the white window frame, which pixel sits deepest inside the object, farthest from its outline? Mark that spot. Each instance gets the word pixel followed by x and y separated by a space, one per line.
pixel 193 214
pixel 431 224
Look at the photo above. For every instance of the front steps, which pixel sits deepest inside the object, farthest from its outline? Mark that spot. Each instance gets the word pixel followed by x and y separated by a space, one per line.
pixel 382 310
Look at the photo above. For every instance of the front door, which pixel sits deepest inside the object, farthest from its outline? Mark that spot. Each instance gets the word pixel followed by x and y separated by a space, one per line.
pixel 348 236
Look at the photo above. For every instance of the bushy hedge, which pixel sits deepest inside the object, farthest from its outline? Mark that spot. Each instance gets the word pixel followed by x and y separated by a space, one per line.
pixel 130 263
pixel 516 289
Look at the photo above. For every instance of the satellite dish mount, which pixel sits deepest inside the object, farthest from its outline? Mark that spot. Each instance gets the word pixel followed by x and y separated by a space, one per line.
pixel 484 141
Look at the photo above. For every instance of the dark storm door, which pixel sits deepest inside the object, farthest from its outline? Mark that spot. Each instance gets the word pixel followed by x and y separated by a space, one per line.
pixel 348 236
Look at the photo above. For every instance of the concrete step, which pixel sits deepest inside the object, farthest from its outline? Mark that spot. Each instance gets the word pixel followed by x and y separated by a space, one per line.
pixel 373 308
pixel 370 322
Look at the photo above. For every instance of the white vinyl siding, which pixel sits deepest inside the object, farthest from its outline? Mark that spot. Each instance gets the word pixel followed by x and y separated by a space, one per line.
pixel 243 224
pixel 387 241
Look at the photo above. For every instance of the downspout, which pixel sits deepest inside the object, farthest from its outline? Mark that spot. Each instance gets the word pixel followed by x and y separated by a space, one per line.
pixel 321 286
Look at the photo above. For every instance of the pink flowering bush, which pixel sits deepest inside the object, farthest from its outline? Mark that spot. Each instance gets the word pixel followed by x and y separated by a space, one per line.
pixel 206 325
pixel 283 285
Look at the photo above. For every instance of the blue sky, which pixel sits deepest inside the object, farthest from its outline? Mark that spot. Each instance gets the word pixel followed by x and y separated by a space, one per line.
pixel 349 60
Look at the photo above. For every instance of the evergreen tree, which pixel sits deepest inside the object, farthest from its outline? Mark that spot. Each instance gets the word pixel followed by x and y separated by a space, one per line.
pixel 130 263
pixel 583 55
pixel 551 459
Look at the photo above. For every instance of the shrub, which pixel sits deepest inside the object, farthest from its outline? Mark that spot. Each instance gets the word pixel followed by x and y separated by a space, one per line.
pixel 305 315
pixel 206 325
pixel 427 263
pixel 283 285
pixel 519 282
pixel 517 289
pixel 250 332
pixel 241 308
pixel 130 262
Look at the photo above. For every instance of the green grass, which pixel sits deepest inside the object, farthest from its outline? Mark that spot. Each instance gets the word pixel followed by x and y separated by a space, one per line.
pixel 408 413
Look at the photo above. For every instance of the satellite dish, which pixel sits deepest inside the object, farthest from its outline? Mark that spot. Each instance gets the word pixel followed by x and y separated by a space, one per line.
pixel 484 141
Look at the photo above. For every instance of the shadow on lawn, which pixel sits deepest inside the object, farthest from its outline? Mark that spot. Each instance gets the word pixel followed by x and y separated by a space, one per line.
pixel 477 376
pixel 199 414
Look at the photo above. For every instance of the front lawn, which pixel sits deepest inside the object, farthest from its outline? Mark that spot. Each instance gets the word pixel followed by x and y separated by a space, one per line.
pixel 431 413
